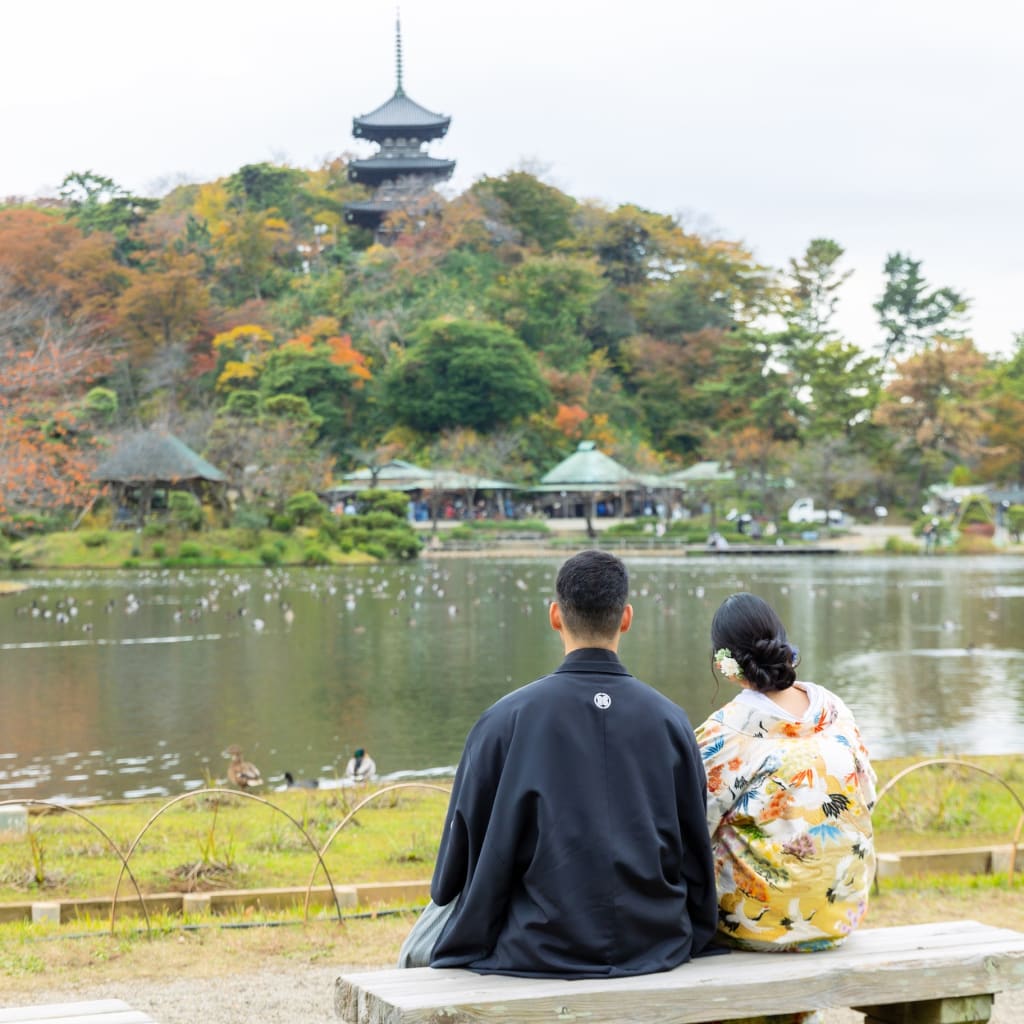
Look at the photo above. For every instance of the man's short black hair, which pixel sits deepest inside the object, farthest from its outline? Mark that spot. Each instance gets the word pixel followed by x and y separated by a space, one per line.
pixel 592 589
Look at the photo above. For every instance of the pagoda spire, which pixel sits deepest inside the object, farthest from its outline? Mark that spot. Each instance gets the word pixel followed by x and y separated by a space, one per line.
pixel 401 173
pixel 399 91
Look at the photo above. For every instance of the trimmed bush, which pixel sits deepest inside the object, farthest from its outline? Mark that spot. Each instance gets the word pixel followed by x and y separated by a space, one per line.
pixel 380 500
pixel 185 510
pixel 154 528
pixel 160 550
pixel 315 555
pixel 304 508
pixel 269 555
pixel 1015 521
pixel 899 546
pixel 189 549
pixel 251 517
pixel 96 540
pixel 282 524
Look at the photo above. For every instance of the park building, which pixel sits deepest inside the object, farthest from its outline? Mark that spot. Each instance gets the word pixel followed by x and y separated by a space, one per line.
pixel 401 173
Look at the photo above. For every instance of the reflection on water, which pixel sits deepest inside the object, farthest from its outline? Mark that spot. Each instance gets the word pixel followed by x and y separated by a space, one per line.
pixel 131 684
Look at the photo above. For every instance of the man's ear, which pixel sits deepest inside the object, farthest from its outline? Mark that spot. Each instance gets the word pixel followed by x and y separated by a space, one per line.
pixel 555 616
pixel 627 619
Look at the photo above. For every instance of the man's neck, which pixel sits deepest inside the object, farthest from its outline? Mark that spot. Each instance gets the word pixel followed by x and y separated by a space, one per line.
pixel 574 643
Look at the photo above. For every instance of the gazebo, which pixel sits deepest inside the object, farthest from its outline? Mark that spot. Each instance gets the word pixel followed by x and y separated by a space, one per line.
pixel 589 473
pixel 147 465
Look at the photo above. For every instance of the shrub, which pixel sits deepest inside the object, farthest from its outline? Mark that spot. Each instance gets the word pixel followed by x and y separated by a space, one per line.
pixel 269 555
pixel 97 539
pixel 381 519
pixel 186 510
pixel 251 517
pixel 899 546
pixel 189 549
pixel 160 550
pixel 315 555
pixel 380 500
pixel 154 528
pixel 1015 521
pixel 375 550
pixel 282 524
pixel 976 509
pixel 399 543
pixel 304 507
pixel 130 563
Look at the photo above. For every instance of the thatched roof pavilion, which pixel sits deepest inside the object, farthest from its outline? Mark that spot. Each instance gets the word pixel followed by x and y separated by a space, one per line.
pixel 149 462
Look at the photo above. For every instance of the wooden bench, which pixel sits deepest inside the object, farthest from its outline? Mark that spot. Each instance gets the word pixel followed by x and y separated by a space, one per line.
pixel 98 1011
pixel 920 974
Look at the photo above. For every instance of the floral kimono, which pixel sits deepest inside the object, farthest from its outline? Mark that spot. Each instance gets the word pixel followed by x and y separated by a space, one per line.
pixel 789 811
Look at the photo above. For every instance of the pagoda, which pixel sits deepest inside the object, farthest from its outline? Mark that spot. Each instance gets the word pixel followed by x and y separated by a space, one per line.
pixel 401 172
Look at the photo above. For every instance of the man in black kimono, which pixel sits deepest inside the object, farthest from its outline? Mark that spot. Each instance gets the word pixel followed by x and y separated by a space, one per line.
pixel 576 842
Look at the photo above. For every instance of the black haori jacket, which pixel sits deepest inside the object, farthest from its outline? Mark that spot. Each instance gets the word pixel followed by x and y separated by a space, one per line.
pixel 576 839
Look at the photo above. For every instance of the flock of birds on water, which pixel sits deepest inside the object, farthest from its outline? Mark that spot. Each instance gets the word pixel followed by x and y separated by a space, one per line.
pixel 225 596
pixel 162 606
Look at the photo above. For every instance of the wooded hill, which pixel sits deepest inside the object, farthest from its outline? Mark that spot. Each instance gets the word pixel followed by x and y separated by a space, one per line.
pixel 495 331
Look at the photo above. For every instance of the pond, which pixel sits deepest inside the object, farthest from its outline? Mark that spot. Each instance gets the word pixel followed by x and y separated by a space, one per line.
pixel 133 683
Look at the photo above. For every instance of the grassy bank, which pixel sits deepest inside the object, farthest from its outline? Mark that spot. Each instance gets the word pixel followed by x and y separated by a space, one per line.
pixel 211 842
pixel 223 841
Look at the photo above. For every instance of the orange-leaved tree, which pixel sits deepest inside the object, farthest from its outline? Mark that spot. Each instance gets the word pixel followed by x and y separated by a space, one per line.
pixel 46 454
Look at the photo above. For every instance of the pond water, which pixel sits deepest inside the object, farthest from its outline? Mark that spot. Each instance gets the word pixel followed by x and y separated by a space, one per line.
pixel 132 683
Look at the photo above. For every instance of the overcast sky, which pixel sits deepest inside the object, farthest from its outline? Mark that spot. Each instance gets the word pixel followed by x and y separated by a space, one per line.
pixel 884 124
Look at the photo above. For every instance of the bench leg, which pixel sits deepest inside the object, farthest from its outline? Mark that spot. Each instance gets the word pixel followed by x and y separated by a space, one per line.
pixel 958 1010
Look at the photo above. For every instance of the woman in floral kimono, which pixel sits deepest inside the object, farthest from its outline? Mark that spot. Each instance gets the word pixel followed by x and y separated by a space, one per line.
pixel 790 792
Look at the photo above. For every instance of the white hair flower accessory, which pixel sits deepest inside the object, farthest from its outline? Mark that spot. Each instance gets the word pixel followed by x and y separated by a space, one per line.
pixel 727 664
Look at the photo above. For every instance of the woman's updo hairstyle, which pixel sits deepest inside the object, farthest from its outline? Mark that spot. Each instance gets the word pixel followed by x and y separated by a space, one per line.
pixel 749 628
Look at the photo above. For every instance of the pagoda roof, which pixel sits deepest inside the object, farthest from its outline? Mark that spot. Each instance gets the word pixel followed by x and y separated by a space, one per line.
pixel 400 114
pixel 378 168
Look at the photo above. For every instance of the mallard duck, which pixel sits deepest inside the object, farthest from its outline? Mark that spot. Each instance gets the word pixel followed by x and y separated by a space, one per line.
pixel 243 774
pixel 292 783
pixel 360 767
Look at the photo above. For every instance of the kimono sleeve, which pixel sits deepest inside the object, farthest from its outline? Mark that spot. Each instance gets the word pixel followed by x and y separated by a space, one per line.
pixel 719 747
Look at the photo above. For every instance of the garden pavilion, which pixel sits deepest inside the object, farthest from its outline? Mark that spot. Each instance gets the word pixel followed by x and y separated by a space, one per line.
pixel 147 465
pixel 588 480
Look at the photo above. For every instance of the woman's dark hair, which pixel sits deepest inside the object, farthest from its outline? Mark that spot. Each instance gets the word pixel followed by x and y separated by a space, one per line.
pixel 755 636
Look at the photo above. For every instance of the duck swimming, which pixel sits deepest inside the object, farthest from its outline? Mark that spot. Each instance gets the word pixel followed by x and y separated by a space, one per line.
pixel 292 783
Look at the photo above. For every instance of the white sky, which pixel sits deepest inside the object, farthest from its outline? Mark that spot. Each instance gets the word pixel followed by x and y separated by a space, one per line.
pixel 885 124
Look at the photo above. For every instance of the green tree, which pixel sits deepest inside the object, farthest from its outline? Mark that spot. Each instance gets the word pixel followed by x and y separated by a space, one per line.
pixel 540 213
pixel 464 373
pixel 911 312
pixel 816 280
pixel 96 203
pixel 265 187
pixel 328 387
pixel 547 301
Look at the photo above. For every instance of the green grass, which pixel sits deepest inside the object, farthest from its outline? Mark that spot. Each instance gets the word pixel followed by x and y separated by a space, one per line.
pixel 233 842
pixel 234 547
pixel 944 806
pixel 223 842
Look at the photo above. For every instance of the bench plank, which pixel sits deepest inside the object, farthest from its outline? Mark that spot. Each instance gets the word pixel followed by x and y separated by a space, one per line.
pixel 874 967
pixel 97 1011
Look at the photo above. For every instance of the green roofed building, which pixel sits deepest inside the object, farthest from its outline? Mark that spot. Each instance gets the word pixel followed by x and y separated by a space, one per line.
pixel 591 475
